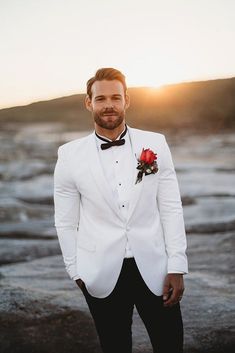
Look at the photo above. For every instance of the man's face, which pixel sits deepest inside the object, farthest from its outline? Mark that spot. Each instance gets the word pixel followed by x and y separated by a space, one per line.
pixel 108 103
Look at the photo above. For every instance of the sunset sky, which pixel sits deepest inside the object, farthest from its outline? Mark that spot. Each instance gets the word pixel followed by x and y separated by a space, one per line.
pixel 50 48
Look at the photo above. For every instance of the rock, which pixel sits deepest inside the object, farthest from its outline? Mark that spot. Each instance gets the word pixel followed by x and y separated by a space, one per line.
pixel 19 250
pixel 33 324
pixel 42 310
pixel 25 169
pixel 40 186
pixel 46 200
pixel 222 226
pixel 187 200
pixel 32 229
pixel 17 210
pixel 41 289
pixel 208 304
pixel 210 214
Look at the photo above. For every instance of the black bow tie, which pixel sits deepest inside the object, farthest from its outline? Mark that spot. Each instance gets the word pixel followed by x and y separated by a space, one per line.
pixel 109 144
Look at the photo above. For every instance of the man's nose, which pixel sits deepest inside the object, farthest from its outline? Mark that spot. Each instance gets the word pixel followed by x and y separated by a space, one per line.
pixel 108 103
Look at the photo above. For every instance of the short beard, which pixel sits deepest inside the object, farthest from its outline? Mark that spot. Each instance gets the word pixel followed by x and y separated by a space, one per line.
pixel 109 125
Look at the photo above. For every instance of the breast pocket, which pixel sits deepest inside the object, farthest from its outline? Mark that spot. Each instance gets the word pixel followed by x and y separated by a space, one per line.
pixel 151 178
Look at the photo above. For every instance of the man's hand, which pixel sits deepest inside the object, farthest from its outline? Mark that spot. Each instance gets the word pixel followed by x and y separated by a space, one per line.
pixel 173 289
pixel 80 283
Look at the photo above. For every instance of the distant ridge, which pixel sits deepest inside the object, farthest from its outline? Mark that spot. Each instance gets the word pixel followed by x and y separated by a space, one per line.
pixel 192 105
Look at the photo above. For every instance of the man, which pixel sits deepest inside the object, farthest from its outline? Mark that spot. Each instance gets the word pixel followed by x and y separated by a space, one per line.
pixel 119 221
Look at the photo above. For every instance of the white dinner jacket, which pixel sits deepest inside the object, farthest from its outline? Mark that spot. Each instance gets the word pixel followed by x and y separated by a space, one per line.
pixel 91 229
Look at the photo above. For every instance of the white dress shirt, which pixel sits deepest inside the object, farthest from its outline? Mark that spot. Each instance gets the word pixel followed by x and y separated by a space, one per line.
pixel 118 171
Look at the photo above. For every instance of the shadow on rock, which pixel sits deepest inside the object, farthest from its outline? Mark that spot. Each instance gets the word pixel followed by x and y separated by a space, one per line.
pixel 71 331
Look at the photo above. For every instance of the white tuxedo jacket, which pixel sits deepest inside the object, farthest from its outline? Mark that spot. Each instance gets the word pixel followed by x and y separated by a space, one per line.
pixel 91 229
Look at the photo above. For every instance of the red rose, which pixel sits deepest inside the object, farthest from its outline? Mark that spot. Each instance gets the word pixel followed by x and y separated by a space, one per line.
pixel 146 164
pixel 147 156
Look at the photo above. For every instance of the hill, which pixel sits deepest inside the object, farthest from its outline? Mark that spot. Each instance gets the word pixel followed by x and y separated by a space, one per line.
pixel 198 105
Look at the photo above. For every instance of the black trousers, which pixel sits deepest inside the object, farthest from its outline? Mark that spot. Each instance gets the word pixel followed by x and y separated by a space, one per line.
pixel 112 315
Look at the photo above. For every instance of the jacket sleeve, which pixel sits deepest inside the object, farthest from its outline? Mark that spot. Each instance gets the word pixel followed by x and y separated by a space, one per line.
pixel 171 213
pixel 67 211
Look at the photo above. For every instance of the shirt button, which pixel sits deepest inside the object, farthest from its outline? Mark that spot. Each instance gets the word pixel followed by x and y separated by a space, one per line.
pixel 120 184
pixel 116 161
pixel 123 206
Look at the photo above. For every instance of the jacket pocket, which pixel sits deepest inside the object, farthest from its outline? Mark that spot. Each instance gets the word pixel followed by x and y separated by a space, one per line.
pixel 151 179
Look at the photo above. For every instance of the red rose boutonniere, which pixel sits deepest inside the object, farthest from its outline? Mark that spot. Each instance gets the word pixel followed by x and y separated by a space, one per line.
pixel 147 164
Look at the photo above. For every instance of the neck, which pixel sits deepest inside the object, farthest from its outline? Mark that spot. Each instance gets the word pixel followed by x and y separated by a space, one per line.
pixel 110 134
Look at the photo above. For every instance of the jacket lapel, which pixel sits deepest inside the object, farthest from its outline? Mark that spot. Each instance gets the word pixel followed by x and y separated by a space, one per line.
pixel 136 188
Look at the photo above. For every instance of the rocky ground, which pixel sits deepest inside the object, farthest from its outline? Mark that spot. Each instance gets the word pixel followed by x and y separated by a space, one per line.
pixel 42 310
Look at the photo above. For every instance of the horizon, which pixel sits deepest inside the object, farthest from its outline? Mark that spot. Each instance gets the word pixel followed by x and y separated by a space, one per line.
pixel 131 87
pixel 51 48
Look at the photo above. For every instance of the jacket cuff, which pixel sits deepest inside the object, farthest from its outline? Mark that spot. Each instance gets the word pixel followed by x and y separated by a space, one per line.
pixel 71 270
pixel 176 265
pixel 178 272
pixel 76 277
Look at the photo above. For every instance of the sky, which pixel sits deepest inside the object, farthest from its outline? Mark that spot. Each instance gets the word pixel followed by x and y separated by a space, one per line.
pixel 50 48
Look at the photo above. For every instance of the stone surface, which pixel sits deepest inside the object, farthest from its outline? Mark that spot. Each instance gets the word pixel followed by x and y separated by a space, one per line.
pixel 39 292
pixel 42 310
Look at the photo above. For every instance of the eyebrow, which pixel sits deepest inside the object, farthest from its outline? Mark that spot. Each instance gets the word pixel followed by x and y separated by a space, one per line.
pixel 113 95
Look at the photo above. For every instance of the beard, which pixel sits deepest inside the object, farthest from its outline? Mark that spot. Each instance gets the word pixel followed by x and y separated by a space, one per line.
pixel 104 122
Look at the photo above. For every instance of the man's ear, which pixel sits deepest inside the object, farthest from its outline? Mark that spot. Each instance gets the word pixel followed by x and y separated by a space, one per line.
pixel 127 99
pixel 88 103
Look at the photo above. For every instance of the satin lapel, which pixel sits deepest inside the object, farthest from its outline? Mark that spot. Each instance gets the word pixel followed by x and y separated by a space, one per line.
pixel 99 177
pixel 136 188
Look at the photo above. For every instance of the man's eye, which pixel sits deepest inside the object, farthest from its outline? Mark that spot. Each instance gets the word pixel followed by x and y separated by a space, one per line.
pixel 117 98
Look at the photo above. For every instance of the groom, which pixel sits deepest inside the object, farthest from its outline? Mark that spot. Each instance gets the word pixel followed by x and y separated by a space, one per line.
pixel 119 220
